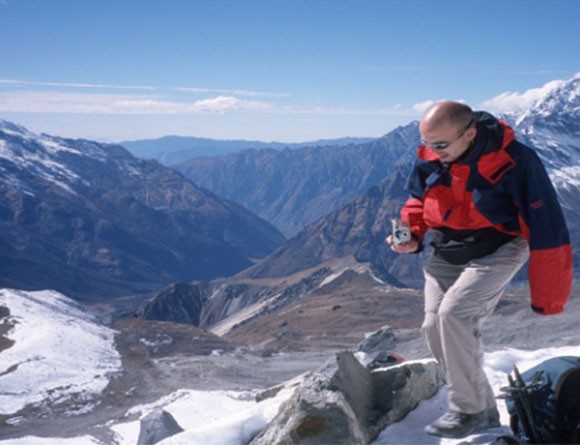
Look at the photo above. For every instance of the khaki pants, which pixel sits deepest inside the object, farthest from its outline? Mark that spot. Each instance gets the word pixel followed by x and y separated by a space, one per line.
pixel 458 299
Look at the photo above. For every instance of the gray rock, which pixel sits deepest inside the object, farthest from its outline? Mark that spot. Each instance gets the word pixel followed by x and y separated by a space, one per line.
pixel 399 389
pixel 380 340
pixel 315 414
pixel 348 404
pixel 156 426
pixel 354 381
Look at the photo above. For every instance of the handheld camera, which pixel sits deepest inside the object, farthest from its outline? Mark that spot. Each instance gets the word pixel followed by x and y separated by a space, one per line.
pixel 401 232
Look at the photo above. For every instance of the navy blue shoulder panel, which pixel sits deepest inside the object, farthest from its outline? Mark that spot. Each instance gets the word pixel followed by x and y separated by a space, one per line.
pixel 425 174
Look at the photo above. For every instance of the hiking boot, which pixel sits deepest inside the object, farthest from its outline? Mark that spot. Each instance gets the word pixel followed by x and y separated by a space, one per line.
pixel 455 425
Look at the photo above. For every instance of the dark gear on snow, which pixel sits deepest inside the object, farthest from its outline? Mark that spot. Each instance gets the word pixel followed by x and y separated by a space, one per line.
pixel 544 403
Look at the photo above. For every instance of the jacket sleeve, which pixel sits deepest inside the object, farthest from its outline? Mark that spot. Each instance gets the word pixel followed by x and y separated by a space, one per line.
pixel 550 268
pixel 412 211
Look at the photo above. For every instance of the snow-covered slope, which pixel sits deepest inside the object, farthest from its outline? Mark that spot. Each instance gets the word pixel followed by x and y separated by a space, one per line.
pixel 57 354
pixel 57 345
pixel 552 125
pixel 548 119
pixel 233 417
pixel 23 151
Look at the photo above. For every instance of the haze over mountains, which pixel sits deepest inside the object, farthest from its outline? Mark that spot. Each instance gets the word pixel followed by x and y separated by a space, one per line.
pixel 171 150
pixel 292 188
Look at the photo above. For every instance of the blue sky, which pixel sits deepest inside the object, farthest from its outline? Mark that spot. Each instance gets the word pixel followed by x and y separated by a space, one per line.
pixel 286 70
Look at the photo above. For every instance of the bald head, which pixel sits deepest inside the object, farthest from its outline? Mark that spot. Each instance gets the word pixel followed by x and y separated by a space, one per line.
pixel 447 128
pixel 446 113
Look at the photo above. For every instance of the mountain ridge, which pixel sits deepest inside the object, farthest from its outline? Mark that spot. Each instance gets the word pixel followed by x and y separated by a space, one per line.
pixel 92 220
pixel 357 228
pixel 173 149
pixel 292 188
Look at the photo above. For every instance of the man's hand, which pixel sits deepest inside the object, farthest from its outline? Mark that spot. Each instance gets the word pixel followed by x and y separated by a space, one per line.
pixel 408 247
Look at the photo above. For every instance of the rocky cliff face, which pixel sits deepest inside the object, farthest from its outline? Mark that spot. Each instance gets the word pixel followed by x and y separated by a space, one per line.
pixel 292 188
pixel 93 221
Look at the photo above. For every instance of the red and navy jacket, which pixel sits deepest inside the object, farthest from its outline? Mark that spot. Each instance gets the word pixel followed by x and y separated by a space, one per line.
pixel 500 184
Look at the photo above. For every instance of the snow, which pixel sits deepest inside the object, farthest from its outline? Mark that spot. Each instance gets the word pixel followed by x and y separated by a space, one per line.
pixel 329 279
pixel 50 331
pixel 83 440
pixel 497 365
pixel 359 268
pixel 53 146
pixel 232 418
pixel 60 352
pixel 566 178
pixel 40 162
pixel 208 417
pixel 518 103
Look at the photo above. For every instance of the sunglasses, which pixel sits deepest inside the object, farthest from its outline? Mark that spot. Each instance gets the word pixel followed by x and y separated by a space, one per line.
pixel 444 145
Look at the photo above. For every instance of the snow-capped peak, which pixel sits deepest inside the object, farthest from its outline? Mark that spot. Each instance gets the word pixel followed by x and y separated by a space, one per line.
pixel 26 157
pixel 563 98
pixel 14 129
pixel 516 105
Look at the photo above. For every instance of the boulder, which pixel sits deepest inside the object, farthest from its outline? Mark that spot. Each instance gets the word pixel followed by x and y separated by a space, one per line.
pixel 380 340
pixel 156 426
pixel 315 414
pixel 399 389
pixel 346 403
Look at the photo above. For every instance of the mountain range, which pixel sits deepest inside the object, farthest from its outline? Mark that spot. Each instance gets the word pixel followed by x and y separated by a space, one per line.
pixel 170 150
pixel 95 222
pixel 292 188
pixel 356 230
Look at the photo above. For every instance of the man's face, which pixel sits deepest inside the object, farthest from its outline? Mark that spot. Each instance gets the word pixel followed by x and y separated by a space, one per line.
pixel 447 141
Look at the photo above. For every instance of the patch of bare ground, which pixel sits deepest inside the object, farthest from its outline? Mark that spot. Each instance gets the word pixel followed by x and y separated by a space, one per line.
pixel 337 315
pixel 143 346
pixel 159 358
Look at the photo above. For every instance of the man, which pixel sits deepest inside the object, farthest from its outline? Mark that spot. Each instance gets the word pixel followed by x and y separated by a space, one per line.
pixel 490 206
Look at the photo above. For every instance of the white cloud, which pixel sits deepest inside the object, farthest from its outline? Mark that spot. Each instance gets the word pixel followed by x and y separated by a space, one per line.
pixel 79 103
pixel 423 106
pixel 232 92
pixel 195 90
pixel 513 102
pixel 222 104
pixel 74 85
pixel 139 104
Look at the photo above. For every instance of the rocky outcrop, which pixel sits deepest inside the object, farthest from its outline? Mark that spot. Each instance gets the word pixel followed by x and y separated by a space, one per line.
pixel 347 404
pixel 179 302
